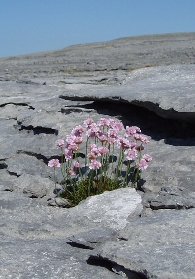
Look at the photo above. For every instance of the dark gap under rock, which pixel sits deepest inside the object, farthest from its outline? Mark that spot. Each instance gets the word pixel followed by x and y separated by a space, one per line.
pixel 13 173
pixel 114 267
pixel 188 117
pixel 79 245
pixel 39 130
pixel 172 197
pixel 27 82
pixel 70 109
pixel 3 165
pixel 36 155
pixel 174 132
pixel 17 104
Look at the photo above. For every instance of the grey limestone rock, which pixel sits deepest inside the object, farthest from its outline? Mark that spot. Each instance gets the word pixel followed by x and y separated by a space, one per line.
pixel 34 237
pixel 62 202
pixel 48 259
pixel 35 191
pixel 144 81
pixel 159 89
pixel 35 186
pixel 92 238
pixel 110 209
pixel 158 246
pixel 171 197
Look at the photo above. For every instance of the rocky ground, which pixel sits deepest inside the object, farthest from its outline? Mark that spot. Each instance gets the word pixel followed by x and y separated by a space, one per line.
pixel 147 81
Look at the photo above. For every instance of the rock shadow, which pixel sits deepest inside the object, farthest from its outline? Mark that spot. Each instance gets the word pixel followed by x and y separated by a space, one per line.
pixel 172 131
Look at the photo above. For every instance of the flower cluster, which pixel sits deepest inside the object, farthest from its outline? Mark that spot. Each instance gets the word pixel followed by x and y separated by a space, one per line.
pixel 102 141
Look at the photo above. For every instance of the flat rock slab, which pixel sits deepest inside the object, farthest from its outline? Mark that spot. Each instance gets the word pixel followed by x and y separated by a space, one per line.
pixel 43 259
pixel 158 246
pixel 116 209
pixel 168 91
pixel 34 237
pixel 105 62
pixel 172 197
pixel 110 209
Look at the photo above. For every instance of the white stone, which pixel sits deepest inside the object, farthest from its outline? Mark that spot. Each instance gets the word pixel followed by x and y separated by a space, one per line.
pixel 110 209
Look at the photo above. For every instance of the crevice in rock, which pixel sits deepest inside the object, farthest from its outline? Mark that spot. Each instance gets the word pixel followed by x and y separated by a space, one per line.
pixel 114 267
pixel 36 155
pixel 17 104
pixel 171 197
pixel 100 262
pixel 188 117
pixel 79 245
pixel 13 173
pixel 27 82
pixel 173 131
pixel 87 98
pixel 122 238
pixel 3 165
pixel 72 109
pixel 164 206
pixel 39 130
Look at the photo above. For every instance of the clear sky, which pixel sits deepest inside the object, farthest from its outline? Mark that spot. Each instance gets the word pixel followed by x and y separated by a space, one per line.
pixel 28 26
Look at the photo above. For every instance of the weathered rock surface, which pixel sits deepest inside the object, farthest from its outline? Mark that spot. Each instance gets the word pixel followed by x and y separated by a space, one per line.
pixel 172 197
pixel 159 246
pixel 144 81
pixel 107 62
pixel 35 237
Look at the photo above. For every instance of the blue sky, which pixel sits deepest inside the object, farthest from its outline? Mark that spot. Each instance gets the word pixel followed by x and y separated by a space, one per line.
pixel 28 26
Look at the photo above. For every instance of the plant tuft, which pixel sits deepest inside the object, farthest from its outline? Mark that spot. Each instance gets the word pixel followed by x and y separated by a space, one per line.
pixel 113 157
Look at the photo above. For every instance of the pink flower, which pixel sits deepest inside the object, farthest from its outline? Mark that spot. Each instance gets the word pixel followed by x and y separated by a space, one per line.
pixel 112 136
pixel 93 145
pixel 76 164
pixel 147 157
pixel 103 150
pixel 117 125
pixel 94 165
pixel 131 154
pixel 60 143
pixel 93 130
pixel 140 147
pixel 103 122
pixel 73 142
pixel 77 131
pixel 88 122
pixel 141 138
pixel 102 137
pixel 70 139
pixel 72 146
pixel 142 165
pixel 132 130
pixel 136 136
pixel 133 144
pixel 68 154
pixel 94 152
pixel 71 172
pixel 123 143
pixel 78 140
pixel 54 163
pixel 91 156
pixel 144 139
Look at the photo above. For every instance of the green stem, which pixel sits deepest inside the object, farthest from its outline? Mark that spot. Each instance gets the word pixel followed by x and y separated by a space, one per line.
pixel 55 180
pixel 86 153
pixel 127 173
pixel 89 184
pixel 119 164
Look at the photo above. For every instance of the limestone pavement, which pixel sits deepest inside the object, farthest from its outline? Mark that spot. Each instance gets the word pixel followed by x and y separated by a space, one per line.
pixel 145 81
